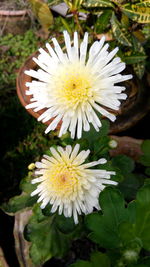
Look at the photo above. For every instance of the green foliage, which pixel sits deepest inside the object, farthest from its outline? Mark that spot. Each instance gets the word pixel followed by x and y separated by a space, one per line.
pixel 49 237
pixel 14 50
pixel 54 2
pixel 126 24
pixel 120 32
pixel 145 158
pixel 125 229
pixel 142 223
pixel 96 259
pixel 106 225
pixel 24 200
pixel 137 13
pixel 124 163
pixel 97 3
pixel 93 135
pixel 102 22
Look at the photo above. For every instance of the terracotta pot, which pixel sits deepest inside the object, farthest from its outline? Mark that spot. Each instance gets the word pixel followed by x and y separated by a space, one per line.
pixel 15 22
pixel 131 111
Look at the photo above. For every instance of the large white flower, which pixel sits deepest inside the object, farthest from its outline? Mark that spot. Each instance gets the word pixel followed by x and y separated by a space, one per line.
pixel 68 184
pixel 72 85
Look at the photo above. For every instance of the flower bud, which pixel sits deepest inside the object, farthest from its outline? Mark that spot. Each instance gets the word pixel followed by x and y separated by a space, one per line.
pixel 113 144
pixel 31 166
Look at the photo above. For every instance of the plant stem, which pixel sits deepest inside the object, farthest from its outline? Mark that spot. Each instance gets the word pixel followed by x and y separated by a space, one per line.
pixel 75 14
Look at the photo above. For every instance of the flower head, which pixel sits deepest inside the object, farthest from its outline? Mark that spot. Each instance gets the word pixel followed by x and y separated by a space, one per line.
pixel 68 184
pixel 73 86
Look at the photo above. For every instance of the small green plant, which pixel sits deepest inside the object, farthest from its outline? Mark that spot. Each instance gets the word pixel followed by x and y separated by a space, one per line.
pixel 14 50
pixel 126 23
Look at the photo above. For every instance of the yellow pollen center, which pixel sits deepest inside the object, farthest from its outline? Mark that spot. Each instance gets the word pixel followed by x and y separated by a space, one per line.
pixel 62 180
pixel 73 84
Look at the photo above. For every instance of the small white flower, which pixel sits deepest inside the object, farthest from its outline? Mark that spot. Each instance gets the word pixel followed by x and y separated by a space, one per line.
pixel 68 184
pixel 74 86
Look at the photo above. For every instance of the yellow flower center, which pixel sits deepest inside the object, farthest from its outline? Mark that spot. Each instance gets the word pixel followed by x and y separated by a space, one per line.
pixel 73 84
pixel 62 180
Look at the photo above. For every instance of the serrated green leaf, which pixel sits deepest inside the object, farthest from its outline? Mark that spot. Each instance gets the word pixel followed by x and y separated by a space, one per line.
pixel 129 186
pixel 47 240
pixel 142 225
pixel 127 233
pixel 124 163
pixel 42 12
pixel 105 227
pixel 97 3
pixel 18 203
pixel 121 33
pixel 137 13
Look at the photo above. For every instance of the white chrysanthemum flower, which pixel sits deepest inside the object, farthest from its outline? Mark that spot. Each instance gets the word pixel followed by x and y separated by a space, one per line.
pixel 74 86
pixel 68 184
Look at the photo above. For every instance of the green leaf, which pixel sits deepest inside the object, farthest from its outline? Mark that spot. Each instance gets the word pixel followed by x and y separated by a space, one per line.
pixel 145 158
pixel 147 171
pixel 96 259
pixel 135 58
pixel 103 21
pixel 143 216
pixel 93 135
pixel 120 32
pixel 26 185
pixel 42 12
pixel 81 263
pixel 54 2
pixel 97 3
pixel 24 200
pixel 65 225
pixel 125 21
pixel 99 258
pixel 131 210
pixel 105 227
pixel 18 203
pixel 47 240
pixel 139 69
pixel 137 13
pixel 127 233
pixel 144 3
pixel 129 186
pixel 66 24
pixel 124 163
